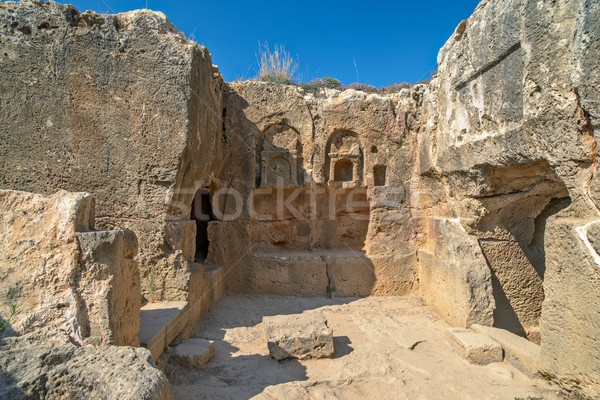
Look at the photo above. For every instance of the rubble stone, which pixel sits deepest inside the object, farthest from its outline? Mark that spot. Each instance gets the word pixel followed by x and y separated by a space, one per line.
pixel 299 336
pixel 477 348
pixel 193 353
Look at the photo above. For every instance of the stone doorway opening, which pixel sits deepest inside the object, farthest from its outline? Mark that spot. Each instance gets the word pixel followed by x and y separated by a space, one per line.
pixel 202 213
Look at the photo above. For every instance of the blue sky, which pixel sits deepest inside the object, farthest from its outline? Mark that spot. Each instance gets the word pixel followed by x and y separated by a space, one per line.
pixel 395 41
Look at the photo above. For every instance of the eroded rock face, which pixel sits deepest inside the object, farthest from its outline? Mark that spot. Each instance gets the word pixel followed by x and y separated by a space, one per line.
pixel 119 106
pixel 301 336
pixel 317 187
pixel 510 155
pixel 479 191
pixel 64 275
pixel 42 368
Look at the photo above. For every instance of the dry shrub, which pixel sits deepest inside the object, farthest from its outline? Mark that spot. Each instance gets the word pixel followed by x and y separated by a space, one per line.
pixel 277 65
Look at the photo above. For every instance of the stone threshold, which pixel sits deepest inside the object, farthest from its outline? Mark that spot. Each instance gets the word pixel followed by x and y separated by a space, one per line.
pixel 161 323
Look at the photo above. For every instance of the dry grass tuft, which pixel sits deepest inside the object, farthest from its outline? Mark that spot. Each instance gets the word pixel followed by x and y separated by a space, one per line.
pixel 276 66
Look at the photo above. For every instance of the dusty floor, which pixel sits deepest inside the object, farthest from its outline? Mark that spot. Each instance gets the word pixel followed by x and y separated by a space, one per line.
pixel 370 360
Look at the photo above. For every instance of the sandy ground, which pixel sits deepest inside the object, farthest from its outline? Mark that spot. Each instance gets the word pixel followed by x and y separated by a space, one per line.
pixel 370 360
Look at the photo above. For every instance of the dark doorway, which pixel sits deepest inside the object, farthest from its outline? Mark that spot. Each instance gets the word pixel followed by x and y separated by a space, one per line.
pixel 202 214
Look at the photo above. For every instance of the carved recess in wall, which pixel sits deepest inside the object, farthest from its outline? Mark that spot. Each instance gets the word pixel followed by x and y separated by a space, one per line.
pixel 279 158
pixel 344 164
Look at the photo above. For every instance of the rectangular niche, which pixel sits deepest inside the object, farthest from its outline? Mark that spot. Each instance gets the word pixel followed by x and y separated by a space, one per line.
pixel 343 171
pixel 379 172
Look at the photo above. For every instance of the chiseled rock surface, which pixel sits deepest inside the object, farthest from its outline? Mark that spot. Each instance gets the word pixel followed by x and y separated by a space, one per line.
pixel 48 366
pixel 62 274
pixel 109 286
pixel 477 348
pixel 120 106
pixel 193 353
pixel 510 153
pixel 299 336
pixel 458 287
pixel 519 351
pixel 352 237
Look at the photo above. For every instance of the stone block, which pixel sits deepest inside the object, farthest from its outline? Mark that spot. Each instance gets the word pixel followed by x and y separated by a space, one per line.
pixel 477 348
pixel 160 324
pixel 299 336
pixel 214 276
pixel 193 353
pixel 350 274
pixel 69 277
pixel 109 286
pixel 285 274
pixel 519 351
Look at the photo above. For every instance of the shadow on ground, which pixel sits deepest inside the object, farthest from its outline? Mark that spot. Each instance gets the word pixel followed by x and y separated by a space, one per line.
pixel 236 375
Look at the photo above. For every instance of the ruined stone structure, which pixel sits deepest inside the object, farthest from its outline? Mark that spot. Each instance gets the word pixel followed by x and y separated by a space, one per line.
pixel 338 221
pixel 477 192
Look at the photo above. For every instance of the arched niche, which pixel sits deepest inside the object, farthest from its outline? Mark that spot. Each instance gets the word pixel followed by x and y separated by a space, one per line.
pixel 344 159
pixel 279 157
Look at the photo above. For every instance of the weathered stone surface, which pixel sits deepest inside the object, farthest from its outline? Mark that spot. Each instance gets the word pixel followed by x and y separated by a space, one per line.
pixel 477 348
pixel 456 280
pixel 410 337
pixel 193 353
pixel 54 368
pixel 109 286
pixel 479 190
pixel 181 235
pixel 570 349
pixel 85 283
pixel 350 274
pixel 510 153
pixel 290 230
pixel 520 352
pixel 293 273
pixel 300 336
pixel 161 323
pixel 119 106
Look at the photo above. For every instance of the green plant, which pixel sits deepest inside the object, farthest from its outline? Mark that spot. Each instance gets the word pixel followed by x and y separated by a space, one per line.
pixel 332 83
pixel 13 310
pixel 276 66
pixel 316 85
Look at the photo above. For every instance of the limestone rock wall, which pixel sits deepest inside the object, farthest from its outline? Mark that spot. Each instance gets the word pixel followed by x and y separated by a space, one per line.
pixel 478 191
pixel 62 274
pixel 338 220
pixel 510 158
pixel 120 106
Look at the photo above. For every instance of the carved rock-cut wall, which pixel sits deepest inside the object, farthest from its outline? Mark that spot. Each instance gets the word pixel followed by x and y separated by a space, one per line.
pixel 478 191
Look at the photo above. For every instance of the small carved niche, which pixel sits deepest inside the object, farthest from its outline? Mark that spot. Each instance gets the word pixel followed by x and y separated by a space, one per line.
pixel 344 162
pixel 343 171
pixel 379 175
pixel 279 157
